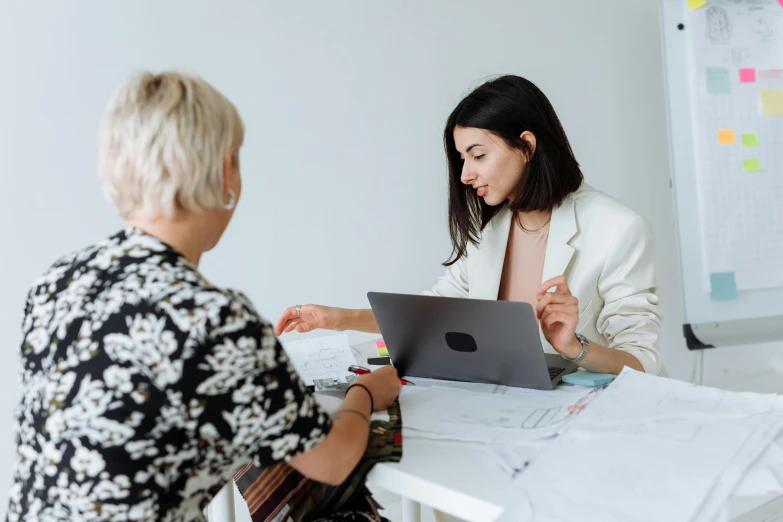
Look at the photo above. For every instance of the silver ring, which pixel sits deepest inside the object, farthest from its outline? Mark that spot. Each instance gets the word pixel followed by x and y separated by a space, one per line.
pixel 298 310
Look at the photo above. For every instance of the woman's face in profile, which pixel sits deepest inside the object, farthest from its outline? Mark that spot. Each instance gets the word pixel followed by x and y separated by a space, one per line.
pixel 489 165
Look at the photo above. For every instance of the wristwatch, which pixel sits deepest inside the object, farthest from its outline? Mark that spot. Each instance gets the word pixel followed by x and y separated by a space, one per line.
pixel 585 346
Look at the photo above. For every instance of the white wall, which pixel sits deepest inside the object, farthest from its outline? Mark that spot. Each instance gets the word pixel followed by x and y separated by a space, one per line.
pixel 344 104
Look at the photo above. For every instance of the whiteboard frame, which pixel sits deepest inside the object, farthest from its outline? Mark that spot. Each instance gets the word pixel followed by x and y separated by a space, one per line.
pixel 755 316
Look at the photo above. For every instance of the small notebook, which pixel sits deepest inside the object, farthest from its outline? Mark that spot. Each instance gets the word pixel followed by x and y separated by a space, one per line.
pixel 583 378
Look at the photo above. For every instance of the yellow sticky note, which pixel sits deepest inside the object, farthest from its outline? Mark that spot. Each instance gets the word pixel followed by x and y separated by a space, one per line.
pixel 726 137
pixel 772 102
pixel 695 4
pixel 752 165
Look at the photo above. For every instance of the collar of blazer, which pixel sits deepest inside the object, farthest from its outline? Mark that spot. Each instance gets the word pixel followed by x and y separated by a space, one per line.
pixel 491 252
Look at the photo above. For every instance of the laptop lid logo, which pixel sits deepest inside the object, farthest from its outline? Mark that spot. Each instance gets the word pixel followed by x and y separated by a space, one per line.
pixel 461 342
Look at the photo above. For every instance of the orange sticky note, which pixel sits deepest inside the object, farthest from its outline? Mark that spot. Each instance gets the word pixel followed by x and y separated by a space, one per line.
pixel 726 137
pixel 772 102
pixel 695 4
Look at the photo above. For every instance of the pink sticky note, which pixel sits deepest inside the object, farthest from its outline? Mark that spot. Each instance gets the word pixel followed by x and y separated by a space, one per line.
pixel 748 75
pixel 380 344
pixel 780 2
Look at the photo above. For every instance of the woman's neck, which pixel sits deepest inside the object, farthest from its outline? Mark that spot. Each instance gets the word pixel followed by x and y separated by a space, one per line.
pixel 183 235
pixel 533 220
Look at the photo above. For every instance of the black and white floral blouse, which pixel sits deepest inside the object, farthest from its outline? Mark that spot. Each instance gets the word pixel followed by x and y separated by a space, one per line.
pixel 144 387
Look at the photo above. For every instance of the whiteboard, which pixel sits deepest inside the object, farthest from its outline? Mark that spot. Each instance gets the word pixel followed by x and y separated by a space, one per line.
pixel 709 222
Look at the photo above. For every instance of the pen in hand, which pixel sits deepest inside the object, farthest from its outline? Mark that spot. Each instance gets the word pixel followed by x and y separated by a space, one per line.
pixel 360 370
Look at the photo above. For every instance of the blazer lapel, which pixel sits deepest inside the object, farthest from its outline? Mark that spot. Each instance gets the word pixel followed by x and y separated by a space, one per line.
pixel 490 257
pixel 561 229
pixel 491 254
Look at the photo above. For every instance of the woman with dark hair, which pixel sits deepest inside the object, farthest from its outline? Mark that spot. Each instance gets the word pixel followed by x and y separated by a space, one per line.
pixel 525 227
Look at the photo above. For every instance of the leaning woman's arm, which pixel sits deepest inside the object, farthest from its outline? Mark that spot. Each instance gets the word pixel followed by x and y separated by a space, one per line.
pixel 630 320
pixel 246 401
pixel 332 460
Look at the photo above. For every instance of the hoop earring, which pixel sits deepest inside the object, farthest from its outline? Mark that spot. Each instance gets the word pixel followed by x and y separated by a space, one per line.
pixel 232 200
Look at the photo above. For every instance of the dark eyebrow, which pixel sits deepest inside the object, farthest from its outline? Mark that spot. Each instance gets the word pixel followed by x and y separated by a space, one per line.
pixel 474 145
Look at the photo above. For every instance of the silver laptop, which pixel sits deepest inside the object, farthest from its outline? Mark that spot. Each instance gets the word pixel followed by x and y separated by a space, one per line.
pixel 466 340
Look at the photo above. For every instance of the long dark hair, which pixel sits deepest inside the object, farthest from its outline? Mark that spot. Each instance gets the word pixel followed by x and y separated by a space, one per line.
pixel 507 107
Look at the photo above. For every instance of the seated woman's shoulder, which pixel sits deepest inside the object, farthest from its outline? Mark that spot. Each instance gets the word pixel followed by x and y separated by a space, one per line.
pixel 590 204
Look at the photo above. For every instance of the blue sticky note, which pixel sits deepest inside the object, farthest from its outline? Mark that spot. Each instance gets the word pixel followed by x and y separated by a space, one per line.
pixel 724 286
pixel 718 80
pixel 588 378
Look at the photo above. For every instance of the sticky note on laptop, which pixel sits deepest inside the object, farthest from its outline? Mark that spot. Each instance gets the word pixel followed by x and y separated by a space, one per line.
pixel 584 378
pixel 382 350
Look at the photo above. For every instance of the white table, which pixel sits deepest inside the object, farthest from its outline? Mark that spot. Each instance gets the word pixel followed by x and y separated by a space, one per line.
pixel 453 477
pixel 461 479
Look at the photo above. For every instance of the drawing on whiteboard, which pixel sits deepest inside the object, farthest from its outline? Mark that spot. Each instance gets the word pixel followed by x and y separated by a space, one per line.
pixel 767 31
pixel 718 26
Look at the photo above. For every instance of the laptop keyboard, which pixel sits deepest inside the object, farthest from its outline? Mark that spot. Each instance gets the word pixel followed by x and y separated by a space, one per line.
pixel 554 372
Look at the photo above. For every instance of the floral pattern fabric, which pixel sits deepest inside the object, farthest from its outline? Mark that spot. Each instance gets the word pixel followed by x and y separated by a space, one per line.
pixel 144 387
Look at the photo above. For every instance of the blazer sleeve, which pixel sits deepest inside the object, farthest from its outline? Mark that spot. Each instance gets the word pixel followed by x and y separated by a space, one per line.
pixel 454 283
pixel 631 317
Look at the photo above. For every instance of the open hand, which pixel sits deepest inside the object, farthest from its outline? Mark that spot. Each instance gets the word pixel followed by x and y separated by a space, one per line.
pixel 310 317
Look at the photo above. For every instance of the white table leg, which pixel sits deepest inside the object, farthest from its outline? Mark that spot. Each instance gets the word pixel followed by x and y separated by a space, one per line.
pixel 411 510
pixel 698 368
pixel 221 509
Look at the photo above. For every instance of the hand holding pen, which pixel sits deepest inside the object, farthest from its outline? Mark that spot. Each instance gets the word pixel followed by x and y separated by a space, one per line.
pixel 361 370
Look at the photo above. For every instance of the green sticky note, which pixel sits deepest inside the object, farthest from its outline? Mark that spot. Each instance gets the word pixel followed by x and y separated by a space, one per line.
pixel 718 80
pixel 383 352
pixel 752 165
pixel 750 140
pixel 724 286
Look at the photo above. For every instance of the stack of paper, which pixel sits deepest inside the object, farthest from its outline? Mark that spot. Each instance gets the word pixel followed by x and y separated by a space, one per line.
pixel 649 448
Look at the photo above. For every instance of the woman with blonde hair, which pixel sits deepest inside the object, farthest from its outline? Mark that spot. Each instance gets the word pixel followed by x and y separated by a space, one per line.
pixel 145 386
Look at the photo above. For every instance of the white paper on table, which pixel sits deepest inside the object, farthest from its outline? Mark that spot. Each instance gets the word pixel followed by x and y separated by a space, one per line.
pixel 456 414
pixel 322 361
pixel 330 400
pixel 761 479
pixel 627 473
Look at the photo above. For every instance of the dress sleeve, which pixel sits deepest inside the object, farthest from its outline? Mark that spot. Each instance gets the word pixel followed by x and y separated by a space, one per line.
pixel 245 396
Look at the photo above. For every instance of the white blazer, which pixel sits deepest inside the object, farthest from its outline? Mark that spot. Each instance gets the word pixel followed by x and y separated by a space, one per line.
pixel 607 254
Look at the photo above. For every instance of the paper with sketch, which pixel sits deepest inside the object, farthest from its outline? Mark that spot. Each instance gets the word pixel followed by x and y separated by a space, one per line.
pixel 517 414
pixel 322 361
pixel 649 448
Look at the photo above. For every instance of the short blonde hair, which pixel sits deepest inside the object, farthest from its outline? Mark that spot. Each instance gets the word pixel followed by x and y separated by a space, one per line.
pixel 162 142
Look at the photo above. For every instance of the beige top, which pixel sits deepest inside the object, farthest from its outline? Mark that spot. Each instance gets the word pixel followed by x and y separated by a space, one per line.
pixel 523 267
